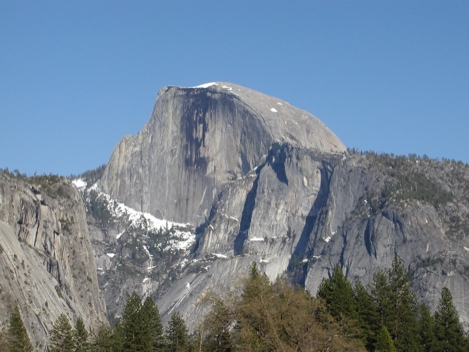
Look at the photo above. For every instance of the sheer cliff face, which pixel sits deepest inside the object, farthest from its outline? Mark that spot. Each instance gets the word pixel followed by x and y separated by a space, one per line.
pixel 269 183
pixel 301 212
pixel 46 260
pixel 197 140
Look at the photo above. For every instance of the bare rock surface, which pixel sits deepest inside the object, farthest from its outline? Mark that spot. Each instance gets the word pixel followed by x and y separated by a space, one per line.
pixel 198 139
pixel 264 182
pixel 301 213
pixel 46 259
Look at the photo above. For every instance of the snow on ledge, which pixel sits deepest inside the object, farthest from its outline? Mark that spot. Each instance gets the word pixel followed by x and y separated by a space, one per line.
pixel 273 110
pixel 256 239
pixel 206 85
pixel 181 238
pixel 221 256
pixel 111 255
pixel 79 183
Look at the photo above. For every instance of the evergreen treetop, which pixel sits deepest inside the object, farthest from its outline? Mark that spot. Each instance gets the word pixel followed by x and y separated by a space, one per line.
pixel 338 294
pixel 448 330
pixel 426 328
pixel 18 339
pixel 61 337
pixel 153 328
pixel 384 341
pixel 177 335
pixel 80 336
pixel 396 305
pixel 102 339
pixel 132 324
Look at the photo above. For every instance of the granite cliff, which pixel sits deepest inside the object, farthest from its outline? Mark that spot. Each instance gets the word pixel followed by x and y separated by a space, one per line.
pixel 263 181
pixel 46 259
pixel 198 139
pixel 222 176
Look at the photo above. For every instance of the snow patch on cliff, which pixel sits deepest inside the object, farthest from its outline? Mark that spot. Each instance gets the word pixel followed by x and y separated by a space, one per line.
pixel 256 239
pixel 182 235
pixel 206 85
pixel 79 183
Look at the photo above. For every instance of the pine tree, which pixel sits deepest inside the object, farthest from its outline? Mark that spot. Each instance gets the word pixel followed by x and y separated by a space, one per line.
pixel 153 338
pixel 132 324
pixel 217 326
pixel 338 294
pixel 396 305
pixel 255 284
pixel 177 338
pixel 61 337
pixel 448 330
pixel 102 339
pixel 18 339
pixel 118 338
pixel 256 301
pixel 384 341
pixel 381 293
pixel 426 329
pixel 80 337
pixel 403 327
pixel 367 315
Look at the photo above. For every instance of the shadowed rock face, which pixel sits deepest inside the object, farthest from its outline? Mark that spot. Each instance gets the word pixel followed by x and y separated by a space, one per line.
pixel 198 139
pixel 302 212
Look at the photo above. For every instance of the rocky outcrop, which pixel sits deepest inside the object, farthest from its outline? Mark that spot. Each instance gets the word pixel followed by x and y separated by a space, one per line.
pixel 300 213
pixel 198 139
pixel 46 259
pixel 265 182
pixel 134 251
pixel 380 205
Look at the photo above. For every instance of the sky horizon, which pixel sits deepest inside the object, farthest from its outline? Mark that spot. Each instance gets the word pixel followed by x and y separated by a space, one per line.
pixel 76 77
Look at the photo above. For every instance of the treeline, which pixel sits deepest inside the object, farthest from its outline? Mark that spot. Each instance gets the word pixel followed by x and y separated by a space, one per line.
pixel 90 176
pixel 387 316
pixel 410 156
pixel 263 316
pixel 259 315
pixel 139 329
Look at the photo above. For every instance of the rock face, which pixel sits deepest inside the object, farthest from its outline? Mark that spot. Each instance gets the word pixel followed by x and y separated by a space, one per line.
pixel 133 251
pixel 321 210
pixel 46 259
pixel 198 139
pixel 268 183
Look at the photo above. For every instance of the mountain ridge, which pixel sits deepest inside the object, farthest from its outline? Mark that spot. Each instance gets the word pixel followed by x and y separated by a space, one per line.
pixel 296 208
pixel 217 180
pixel 204 138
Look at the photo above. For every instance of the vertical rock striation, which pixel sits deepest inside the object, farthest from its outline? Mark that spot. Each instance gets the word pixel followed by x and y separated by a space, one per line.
pixel 200 138
pixel 266 182
pixel 46 259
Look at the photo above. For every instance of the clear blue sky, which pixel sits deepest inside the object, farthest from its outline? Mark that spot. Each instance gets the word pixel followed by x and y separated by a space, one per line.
pixel 76 76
